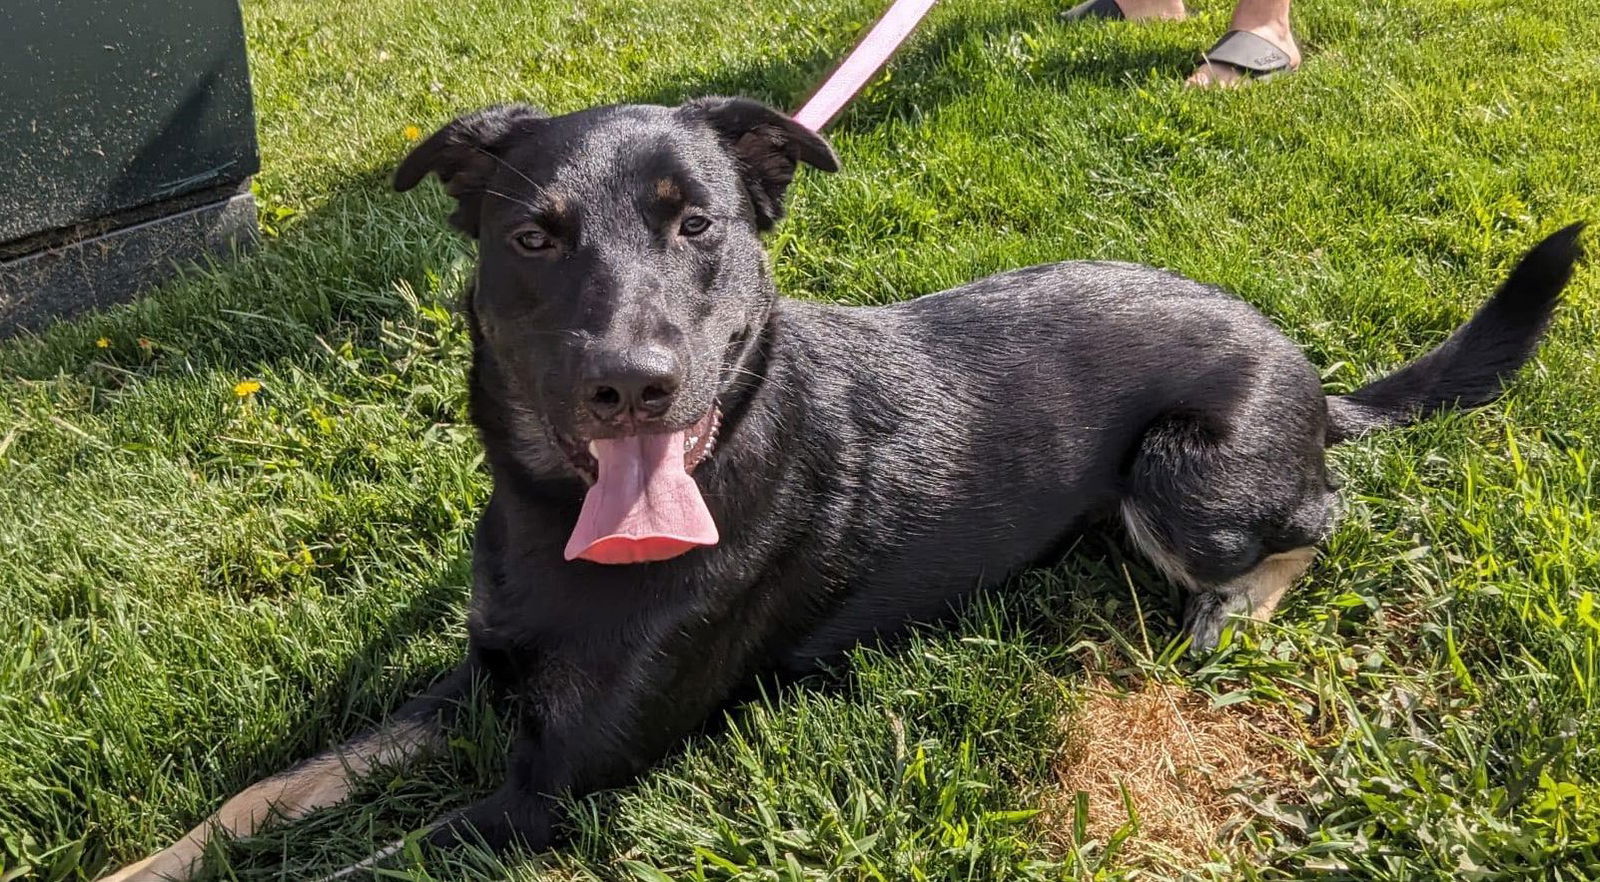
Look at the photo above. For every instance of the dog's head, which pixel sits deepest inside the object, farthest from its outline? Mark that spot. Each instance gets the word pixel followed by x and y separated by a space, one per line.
pixel 619 253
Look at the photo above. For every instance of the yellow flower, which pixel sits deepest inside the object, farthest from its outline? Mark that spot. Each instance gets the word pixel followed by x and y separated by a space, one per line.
pixel 247 388
pixel 412 133
pixel 103 343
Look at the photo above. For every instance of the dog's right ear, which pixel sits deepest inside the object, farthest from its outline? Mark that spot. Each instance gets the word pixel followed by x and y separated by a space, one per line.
pixel 464 154
pixel 768 146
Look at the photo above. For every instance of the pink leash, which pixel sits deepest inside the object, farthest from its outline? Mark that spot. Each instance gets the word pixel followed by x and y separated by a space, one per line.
pixel 863 61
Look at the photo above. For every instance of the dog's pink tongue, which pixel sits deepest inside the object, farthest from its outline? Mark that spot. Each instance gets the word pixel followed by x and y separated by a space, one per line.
pixel 643 507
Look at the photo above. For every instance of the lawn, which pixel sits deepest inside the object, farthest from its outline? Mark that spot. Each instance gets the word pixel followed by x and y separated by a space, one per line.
pixel 200 583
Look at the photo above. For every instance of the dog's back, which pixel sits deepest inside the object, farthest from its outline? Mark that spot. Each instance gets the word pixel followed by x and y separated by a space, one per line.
pixel 972 433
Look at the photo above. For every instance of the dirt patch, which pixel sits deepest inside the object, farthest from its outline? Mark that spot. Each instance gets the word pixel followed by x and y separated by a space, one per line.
pixel 1180 761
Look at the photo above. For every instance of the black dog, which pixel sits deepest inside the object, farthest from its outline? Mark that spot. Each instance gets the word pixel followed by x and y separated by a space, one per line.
pixel 778 480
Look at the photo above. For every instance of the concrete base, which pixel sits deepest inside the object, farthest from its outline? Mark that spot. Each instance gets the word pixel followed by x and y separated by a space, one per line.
pixel 74 271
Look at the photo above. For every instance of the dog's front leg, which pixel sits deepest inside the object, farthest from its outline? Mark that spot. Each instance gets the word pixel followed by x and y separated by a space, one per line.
pixel 319 782
pixel 585 726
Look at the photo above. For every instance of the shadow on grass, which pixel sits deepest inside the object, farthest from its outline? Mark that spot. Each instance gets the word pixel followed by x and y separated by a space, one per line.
pixel 1056 621
pixel 985 676
pixel 1170 63
pixel 1064 618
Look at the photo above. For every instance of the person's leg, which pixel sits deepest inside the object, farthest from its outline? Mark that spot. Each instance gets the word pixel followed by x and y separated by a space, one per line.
pixel 1267 19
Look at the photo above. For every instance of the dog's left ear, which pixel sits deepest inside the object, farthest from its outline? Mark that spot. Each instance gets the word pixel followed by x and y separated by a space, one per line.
pixel 768 146
pixel 464 154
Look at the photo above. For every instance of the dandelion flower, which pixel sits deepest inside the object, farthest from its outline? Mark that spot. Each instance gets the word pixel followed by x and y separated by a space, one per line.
pixel 103 343
pixel 247 388
pixel 412 133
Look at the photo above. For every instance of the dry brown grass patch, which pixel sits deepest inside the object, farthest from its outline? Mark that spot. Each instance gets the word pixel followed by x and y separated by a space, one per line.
pixel 1180 760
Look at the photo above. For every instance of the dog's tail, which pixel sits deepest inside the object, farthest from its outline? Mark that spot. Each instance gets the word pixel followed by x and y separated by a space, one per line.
pixel 1470 368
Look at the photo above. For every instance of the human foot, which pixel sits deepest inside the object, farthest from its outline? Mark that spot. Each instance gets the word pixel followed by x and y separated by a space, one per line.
pixel 1133 10
pixel 1267 20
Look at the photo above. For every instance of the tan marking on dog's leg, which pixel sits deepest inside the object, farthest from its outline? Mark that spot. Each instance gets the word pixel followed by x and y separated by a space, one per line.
pixel 322 781
pixel 1265 585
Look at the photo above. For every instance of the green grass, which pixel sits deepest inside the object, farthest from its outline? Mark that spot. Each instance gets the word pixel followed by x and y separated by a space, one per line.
pixel 196 589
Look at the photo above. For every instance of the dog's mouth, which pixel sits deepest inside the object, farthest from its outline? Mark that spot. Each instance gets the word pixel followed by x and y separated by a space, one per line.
pixel 698 441
pixel 642 504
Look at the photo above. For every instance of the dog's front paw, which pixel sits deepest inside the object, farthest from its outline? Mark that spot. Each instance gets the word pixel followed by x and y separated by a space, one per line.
pixel 508 819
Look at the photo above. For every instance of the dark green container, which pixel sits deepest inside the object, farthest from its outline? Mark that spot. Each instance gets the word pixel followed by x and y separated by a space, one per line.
pixel 127 142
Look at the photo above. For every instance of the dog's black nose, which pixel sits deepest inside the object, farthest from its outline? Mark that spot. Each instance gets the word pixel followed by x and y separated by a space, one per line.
pixel 640 382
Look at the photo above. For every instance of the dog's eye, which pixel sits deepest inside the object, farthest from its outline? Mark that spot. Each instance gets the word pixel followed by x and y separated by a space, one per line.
pixel 531 241
pixel 694 225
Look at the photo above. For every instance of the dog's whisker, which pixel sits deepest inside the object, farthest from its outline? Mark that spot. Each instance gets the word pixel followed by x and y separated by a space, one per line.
pixel 517 171
pixel 512 199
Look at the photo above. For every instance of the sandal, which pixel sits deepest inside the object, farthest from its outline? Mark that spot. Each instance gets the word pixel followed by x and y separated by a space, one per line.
pixel 1252 56
pixel 1094 9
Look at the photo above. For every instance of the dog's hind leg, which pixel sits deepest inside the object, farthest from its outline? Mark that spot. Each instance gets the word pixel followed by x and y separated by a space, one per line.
pixel 322 781
pixel 1229 512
